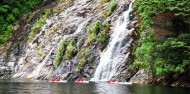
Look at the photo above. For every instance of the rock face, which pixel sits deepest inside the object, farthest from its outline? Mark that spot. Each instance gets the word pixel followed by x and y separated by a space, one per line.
pixel 35 59
pixel 173 79
pixel 140 77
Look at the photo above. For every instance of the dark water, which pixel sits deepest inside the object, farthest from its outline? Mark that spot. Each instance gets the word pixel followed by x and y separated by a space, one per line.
pixel 36 87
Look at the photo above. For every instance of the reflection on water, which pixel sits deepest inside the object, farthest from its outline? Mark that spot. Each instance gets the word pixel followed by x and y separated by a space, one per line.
pixel 40 87
pixel 105 88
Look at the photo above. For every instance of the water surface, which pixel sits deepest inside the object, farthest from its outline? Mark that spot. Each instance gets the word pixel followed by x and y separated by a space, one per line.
pixel 40 87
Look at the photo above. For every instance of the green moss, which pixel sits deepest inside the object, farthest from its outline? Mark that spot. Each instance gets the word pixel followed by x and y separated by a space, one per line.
pixel 38 24
pixel 11 12
pixel 85 60
pixel 52 30
pixel 103 1
pixel 103 35
pixel 92 33
pixel 81 63
pixel 43 56
pixel 70 50
pixel 162 49
pixel 45 13
pixel 83 52
pixel 98 32
pixel 90 58
pixel 60 52
pixel 113 6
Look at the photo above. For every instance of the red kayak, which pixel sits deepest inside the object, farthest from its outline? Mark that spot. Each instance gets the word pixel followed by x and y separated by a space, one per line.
pixel 111 81
pixel 56 80
pixel 81 80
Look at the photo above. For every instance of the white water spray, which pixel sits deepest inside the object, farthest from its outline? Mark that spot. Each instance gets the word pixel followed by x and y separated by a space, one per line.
pixel 111 57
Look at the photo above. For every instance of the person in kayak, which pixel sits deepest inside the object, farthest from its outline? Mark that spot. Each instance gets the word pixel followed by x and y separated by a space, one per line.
pixel 112 80
pixel 79 79
pixel 54 80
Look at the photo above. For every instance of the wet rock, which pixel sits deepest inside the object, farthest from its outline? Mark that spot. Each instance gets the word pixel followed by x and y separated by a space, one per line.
pixel 66 22
pixel 80 43
pixel 11 64
pixel 70 29
pixel 131 15
pixel 140 77
pixel 16 49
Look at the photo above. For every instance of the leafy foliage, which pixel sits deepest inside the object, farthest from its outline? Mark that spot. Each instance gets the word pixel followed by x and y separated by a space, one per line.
pixel 11 11
pixel 113 6
pixel 37 25
pixel 164 27
pixel 60 52
pixel 66 50
pixel 84 61
pixel 93 32
pixel 103 35
pixel 98 32
pixel 104 1
pixel 70 50
pixel 81 63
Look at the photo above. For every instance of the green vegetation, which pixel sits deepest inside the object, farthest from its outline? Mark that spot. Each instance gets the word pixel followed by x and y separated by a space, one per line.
pixel 92 33
pixel 43 56
pixel 84 61
pixel 11 11
pixel 148 9
pixel 60 52
pixel 103 35
pixel 81 63
pixel 83 52
pixel 38 24
pixel 98 32
pixel 70 51
pixel 165 46
pixel 66 50
pixel 104 1
pixel 113 6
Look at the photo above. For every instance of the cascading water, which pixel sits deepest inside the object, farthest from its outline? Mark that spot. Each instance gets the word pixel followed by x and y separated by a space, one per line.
pixel 36 72
pixel 113 55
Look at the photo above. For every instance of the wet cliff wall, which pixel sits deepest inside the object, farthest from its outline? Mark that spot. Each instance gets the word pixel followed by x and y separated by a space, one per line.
pixel 66 40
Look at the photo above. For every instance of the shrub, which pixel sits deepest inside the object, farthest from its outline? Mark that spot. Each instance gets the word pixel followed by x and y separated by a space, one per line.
pixel 60 52
pixel 81 63
pixel 111 9
pixel 83 52
pixel 113 6
pixel 103 1
pixel 70 51
pixel 93 32
pixel 162 49
pixel 10 18
pixel 37 25
pixel 11 11
pixel 98 32
pixel 103 35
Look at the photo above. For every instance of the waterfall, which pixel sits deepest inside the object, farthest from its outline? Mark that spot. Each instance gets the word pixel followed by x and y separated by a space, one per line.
pixel 36 72
pixel 112 56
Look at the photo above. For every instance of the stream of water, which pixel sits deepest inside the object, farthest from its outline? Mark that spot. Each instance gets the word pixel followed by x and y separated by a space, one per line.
pixel 112 56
